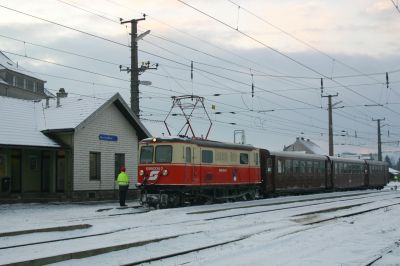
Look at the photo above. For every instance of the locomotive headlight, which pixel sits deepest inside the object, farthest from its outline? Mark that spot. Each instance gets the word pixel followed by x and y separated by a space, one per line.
pixel 165 172
pixel 141 172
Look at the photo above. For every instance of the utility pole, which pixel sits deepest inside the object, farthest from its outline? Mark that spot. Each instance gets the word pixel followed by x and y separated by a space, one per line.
pixel 134 70
pixel 330 121
pixel 379 138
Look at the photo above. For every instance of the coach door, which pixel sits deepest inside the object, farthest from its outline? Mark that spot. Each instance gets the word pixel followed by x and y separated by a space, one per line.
pixel 189 169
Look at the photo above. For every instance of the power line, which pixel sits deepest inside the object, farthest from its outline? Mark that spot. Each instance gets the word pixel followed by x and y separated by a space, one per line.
pixel 64 26
pixel 60 50
pixel 305 43
pixel 226 69
pixel 66 66
pixel 396 6
pixel 75 68
pixel 280 53
pixel 47 62
pixel 88 11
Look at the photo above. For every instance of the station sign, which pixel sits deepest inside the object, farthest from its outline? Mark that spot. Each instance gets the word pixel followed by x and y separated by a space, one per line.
pixel 108 137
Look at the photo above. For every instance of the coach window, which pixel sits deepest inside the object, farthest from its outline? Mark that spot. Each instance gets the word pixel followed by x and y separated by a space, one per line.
pixel 317 171
pixel 288 166
pixel 163 154
pixel 207 156
pixel 321 168
pixel 188 155
pixel 146 154
pixel 296 167
pixel 302 167
pixel 309 167
pixel 280 166
pixel 269 166
pixel 244 158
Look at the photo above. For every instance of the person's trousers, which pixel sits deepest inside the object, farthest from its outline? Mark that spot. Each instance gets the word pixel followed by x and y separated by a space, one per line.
pixel 122 194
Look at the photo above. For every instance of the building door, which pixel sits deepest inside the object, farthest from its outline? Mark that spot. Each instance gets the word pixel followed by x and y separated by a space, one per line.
pixel 118 162
pixel 16 174
pixel 46 171
pixel 60 171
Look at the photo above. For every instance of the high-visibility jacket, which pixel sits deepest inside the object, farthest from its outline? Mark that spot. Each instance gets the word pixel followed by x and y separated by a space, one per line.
pixel 123 179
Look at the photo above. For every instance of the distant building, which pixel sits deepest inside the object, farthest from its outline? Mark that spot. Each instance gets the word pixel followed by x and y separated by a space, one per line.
pixel 66 148
pixel 19 83
pixel 305 146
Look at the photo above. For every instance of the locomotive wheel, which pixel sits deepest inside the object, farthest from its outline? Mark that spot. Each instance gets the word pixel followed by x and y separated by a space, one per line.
pixel 174 200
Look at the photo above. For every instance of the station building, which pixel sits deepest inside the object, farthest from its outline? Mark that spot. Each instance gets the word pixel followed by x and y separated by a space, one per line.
pixel 17 82
pixel 66 148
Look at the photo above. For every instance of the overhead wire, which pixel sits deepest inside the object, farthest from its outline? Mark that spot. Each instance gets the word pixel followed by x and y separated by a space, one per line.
pixel 280 53
pixel 48 62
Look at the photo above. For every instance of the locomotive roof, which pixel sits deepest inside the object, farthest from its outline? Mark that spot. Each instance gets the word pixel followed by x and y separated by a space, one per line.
pixel 201 142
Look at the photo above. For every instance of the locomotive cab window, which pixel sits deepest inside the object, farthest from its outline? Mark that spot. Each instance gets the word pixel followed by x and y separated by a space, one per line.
pixel 163 154
pixel 244 158
pixel 146 154
pixel 207 156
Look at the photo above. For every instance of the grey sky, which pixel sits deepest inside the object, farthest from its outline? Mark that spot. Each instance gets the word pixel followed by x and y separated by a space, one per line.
pixel 346 38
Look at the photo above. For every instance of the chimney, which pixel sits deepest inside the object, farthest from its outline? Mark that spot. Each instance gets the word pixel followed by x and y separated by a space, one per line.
pixel 61 94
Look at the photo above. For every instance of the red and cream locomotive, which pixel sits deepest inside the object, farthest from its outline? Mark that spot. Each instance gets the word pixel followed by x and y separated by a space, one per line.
pixel 181 171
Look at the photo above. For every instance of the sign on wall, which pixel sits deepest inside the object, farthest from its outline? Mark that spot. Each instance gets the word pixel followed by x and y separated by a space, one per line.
pixel 108 137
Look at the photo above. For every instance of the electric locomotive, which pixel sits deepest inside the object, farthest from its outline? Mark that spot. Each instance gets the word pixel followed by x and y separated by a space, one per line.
pixel 178 171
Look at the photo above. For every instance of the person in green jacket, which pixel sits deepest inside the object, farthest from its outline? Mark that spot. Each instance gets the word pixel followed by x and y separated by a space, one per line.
pixel 123 183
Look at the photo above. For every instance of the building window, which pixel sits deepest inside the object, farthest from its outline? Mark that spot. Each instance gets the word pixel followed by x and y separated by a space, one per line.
pixel 33 163
pixel 14 81
pixel 95 165
pixel 34 86
pixel 24 84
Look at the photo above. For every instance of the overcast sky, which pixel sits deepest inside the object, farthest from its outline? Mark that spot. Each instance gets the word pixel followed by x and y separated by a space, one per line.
pixel 283 47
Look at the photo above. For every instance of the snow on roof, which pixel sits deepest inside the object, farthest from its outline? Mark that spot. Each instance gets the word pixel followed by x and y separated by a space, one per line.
pixel 394 171
pixel 19 124
pixel 48 93
pixel 2 81
pixel 71 112
pixel 7 63
pixel 310 146
pixel 24 121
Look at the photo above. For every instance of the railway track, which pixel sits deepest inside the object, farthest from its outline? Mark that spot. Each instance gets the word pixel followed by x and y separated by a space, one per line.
pixel 198 228
pixel 314 225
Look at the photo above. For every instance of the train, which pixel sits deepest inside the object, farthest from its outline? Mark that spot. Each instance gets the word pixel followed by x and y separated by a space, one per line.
pixel 176 171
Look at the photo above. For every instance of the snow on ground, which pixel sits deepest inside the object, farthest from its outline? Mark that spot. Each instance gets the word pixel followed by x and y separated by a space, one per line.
pixel 268 236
